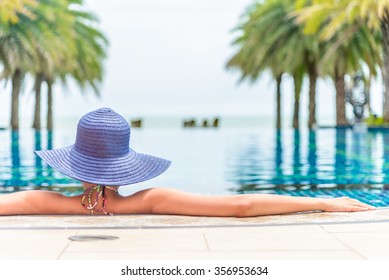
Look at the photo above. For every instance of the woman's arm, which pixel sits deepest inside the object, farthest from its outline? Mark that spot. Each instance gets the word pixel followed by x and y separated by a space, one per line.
pixel 169 201
pixel 39 202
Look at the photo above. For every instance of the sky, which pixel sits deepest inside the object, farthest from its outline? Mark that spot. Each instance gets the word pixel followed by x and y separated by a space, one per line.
pixel 167 58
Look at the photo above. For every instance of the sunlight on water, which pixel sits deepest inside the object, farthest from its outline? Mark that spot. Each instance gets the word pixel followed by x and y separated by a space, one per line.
pixel 323 163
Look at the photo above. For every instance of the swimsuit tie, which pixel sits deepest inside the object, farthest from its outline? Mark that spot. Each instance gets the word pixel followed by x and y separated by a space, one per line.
pixel 101 191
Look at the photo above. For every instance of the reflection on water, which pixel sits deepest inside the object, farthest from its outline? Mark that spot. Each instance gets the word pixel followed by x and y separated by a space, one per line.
pixel 338 157
pixel 20 168
pixel 278 157
pixel 49 147
pixel 296 166
pixel 325 162
pixel 15 157
pixel 38 160
pixel 385 162
pixel 226 160
pixel 312 157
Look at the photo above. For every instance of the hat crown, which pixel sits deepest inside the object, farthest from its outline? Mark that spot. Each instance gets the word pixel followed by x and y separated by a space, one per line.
pixel 103 134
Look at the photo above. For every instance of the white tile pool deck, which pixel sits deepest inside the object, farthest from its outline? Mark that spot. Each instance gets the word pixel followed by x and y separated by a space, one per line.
pixel 306 236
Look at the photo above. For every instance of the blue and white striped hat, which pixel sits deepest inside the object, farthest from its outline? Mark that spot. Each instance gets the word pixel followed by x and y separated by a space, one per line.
pixel 101 154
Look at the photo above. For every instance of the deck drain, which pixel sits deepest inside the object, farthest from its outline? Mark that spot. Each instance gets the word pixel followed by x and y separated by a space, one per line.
pixel 92 237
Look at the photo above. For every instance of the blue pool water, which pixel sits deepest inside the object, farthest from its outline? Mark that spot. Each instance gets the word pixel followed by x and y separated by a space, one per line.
pixel 325 162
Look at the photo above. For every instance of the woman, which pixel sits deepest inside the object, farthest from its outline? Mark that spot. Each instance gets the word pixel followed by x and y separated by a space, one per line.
pixel 102 160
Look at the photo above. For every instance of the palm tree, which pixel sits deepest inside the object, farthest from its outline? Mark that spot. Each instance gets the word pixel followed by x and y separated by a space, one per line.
pixel 361 51
pixel 52 32
pixel 88 50
pixel 11 9
pixel 50 39
pixel 63 39
pixel 253 57
pixel 23 46
pixel 332 16
pixel 272 40
pixel 17 56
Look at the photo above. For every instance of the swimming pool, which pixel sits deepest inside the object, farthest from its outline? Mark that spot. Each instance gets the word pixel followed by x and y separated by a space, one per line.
pixel 325 162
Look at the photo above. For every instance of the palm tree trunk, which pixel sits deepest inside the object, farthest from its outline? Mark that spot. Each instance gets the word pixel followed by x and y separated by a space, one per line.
pixel 298 80
pixel 278 117
pixel 312 73
pixel 37 113
pixel 16 87
pixel 368 100
pixel 340 98
pixel 385 68
pixel 50 106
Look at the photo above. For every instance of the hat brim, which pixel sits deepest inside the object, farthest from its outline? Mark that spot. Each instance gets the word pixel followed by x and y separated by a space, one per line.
pixel 130 169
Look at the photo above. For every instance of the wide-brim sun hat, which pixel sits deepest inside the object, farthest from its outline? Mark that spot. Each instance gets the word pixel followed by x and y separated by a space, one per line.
pixel 102 155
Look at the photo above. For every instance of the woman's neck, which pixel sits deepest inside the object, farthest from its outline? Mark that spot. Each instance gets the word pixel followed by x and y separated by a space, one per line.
pixel 90 185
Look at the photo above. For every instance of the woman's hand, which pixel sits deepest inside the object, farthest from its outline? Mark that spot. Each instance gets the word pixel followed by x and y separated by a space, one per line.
pixel 345 204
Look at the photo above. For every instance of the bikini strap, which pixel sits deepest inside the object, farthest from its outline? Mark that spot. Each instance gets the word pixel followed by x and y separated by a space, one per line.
pixel 101 191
